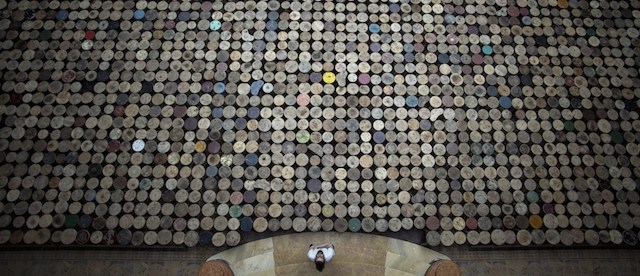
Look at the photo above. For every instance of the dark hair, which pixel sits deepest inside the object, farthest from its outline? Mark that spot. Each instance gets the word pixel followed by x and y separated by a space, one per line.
pixel 319 265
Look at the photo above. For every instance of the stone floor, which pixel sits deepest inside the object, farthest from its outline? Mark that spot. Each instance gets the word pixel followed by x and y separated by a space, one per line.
pixel 356 254
pixel 574 261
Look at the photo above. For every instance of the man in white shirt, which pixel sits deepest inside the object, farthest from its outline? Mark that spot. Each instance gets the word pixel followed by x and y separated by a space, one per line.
pixel 321 254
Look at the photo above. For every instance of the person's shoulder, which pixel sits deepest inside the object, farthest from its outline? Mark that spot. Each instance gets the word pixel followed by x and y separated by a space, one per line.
pixel 329 253
pixel 311 254
pixel 329 250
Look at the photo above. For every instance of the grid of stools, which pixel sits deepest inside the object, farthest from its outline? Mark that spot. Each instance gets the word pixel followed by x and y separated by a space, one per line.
pixel 183 123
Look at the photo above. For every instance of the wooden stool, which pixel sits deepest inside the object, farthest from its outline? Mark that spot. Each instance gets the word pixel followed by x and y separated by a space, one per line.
pixel 443 268
pixel 215 268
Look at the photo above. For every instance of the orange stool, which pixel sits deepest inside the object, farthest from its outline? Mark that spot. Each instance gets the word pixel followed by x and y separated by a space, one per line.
pixel 215 268
pixel 535 221
pixel 443 268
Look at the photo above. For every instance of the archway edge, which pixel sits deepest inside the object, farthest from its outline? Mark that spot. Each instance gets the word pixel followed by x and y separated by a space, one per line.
pixel 356 254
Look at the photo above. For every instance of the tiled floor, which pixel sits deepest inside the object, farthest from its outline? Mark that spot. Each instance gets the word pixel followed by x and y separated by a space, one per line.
pixel 546 261
pixel 101 262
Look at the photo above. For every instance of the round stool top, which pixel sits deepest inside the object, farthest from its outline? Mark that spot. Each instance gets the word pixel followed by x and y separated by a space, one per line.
pixel 215 267
pixel 443 268
pixel 535 221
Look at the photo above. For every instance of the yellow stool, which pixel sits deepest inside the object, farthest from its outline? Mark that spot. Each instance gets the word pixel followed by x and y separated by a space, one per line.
pixel 329 77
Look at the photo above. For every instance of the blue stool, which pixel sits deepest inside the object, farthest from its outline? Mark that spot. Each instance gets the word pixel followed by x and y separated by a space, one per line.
pixel 139 14
pixel 505 102
pixel 487 49
pixel 215 25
